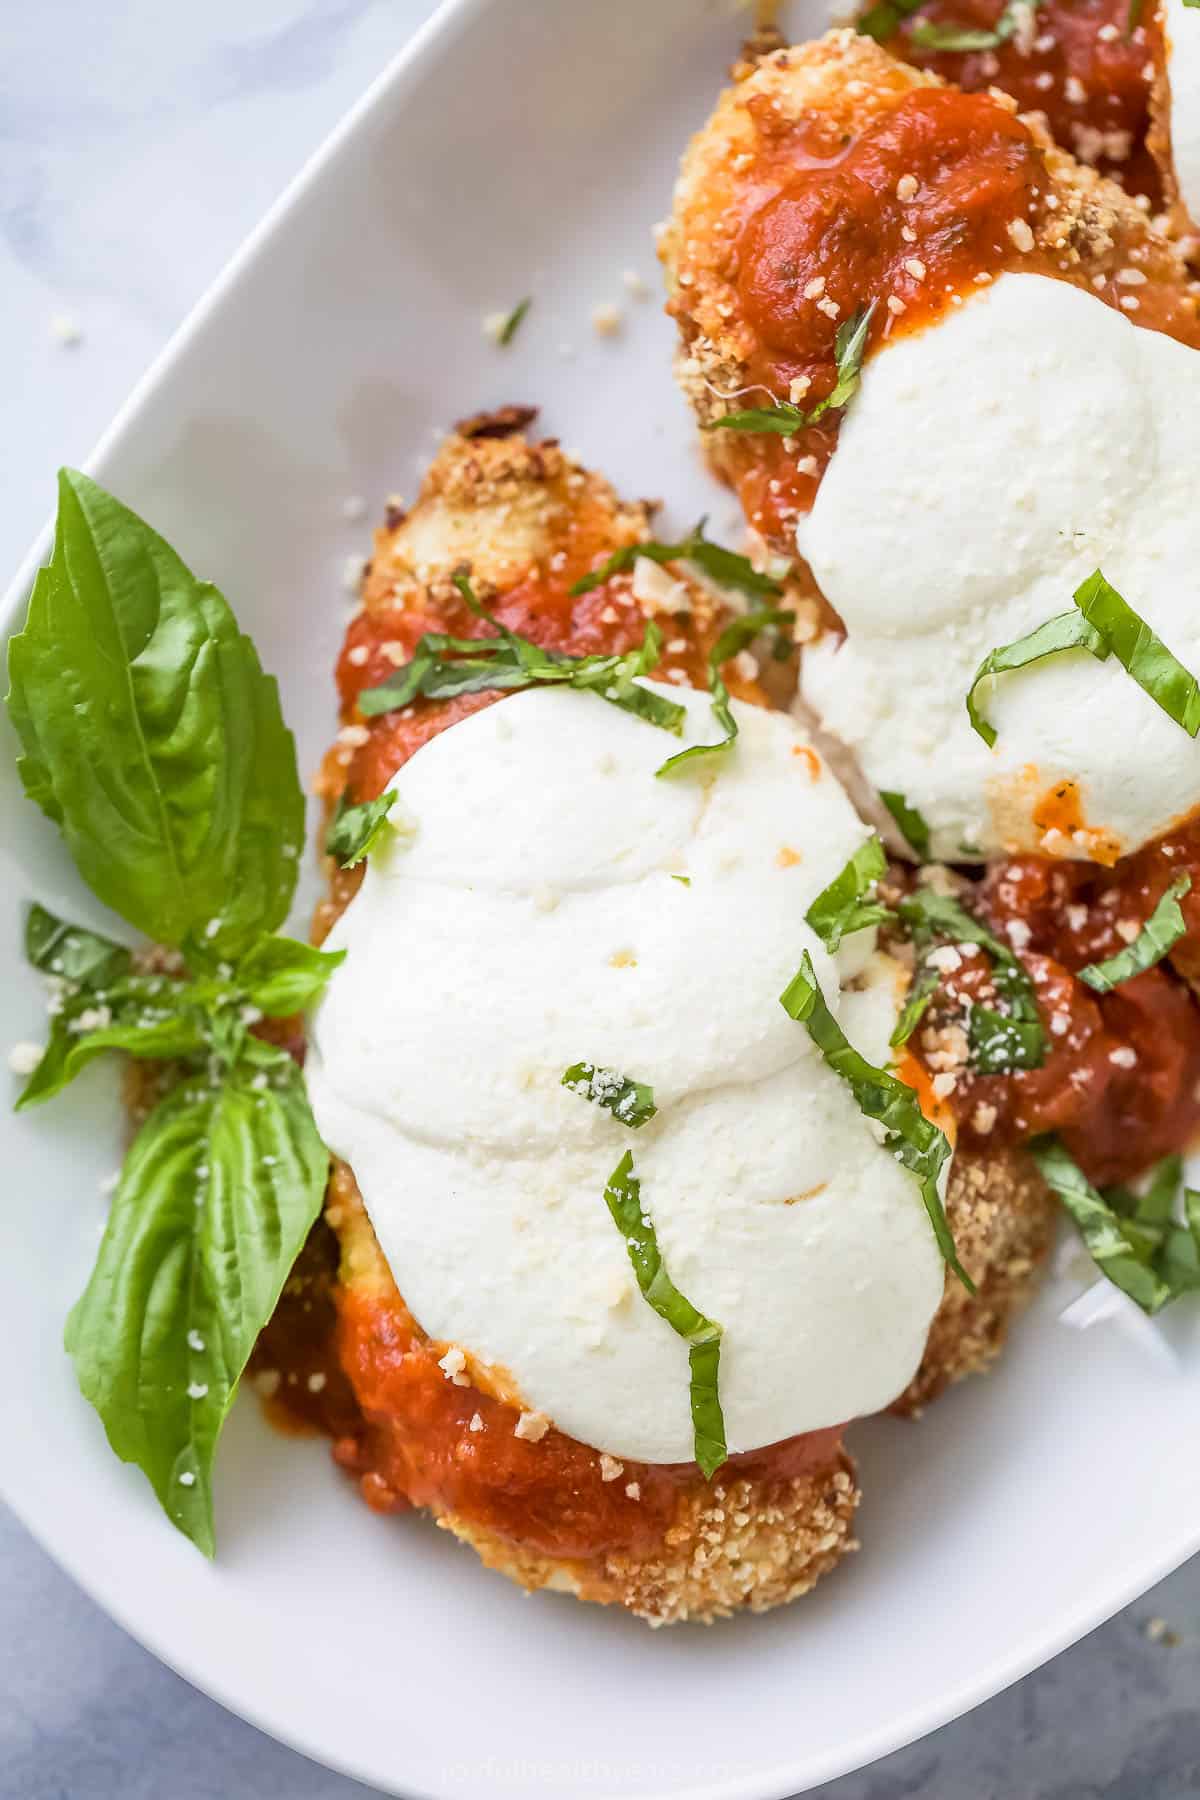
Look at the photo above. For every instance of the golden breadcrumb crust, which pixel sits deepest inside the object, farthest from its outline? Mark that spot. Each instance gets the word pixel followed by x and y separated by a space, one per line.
pixel 733 1544
pixel 1003 1219
pixel 847 80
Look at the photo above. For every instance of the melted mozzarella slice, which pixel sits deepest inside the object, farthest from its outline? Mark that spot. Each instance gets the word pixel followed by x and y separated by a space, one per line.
pixel 534 920
pixel 1181 31
pixel 986 467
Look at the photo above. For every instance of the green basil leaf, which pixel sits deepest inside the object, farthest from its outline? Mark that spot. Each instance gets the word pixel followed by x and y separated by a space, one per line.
pixel 509 662
pixel 1000 1042
pixel 723 566
pixel 913 1139
pixel 930 914
pixel 909 822
pixel 1158 936
pixel 1105 625
pixel 1157 1205
pixel 72 953
pixel 1067 631
pixel 508 330
pixel 1140 652
pixel 844 906
pixel 883 20
pixel 150 734
pixel 623 1197
pixel 923 987
pixel 281 975
pixel 631 1103
pixel 354 831
pixel 1103 1232
pixel 143 1015
pixel 735 638
pixel 781 417
pixel 930 36
pixel 217 1195
pixel 850 347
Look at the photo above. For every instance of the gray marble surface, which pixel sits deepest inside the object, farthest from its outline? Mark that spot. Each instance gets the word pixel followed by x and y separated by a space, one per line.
pixel 140 142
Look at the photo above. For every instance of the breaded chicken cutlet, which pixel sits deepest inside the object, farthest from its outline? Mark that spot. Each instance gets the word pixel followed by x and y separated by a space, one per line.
pixel 540 1506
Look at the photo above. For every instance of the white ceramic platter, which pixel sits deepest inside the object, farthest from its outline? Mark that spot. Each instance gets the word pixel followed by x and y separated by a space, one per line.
pixel 521 146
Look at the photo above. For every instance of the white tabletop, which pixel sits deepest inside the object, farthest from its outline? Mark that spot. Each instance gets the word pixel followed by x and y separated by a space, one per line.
pixel 140 142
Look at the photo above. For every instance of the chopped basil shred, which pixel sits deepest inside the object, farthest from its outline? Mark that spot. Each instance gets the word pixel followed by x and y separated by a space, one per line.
pixel 910 824
pixel 723 566
pixel 1138 1242
pixel 153 739
pixel 443 667
pixel 884 19
pixel 785 419
pixel 511 325
pixel 735 637
pixel 846 905
pixel 1000 1042
pixel 630 1102
pixel 623 1197
pixel 354 831
pixel 921 991
pixel 929 35
pixel 912 1138
pixel 1162 930
pixel 1105 625
pixel 1067 631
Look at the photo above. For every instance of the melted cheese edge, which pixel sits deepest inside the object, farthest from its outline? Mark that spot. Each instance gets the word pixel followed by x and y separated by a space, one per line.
pixel 531 921
pixel 985 468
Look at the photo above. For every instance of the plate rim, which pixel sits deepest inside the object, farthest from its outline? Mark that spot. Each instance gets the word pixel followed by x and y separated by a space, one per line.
pixel 452 18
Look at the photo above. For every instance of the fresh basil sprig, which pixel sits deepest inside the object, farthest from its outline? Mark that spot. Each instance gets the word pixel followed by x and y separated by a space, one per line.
pixel 913 1139
pixel 846 905
pixel 354 831
pixel 1105 625
pixel 623 1197
pixel 1000 1042
pixel 630 1102
pixel 1161 932
pixel 735 637
pixel 785 419
pixel 909 822
pixel 153 739
pixel 1138 1243
pixel 723 566
pixel 151 736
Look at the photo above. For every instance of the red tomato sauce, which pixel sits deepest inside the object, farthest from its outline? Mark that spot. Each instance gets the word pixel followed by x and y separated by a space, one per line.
pixel 935 197
pixel 1085 70
pixel 426 1442
pixel 1122 1081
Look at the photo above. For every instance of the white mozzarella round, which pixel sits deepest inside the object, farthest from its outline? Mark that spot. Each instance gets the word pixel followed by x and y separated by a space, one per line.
pixel 1181 31
pixel 532 919
pixel 985 468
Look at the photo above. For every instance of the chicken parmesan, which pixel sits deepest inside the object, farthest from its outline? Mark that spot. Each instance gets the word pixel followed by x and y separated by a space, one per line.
pixel 484 1313
pixel 861 258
